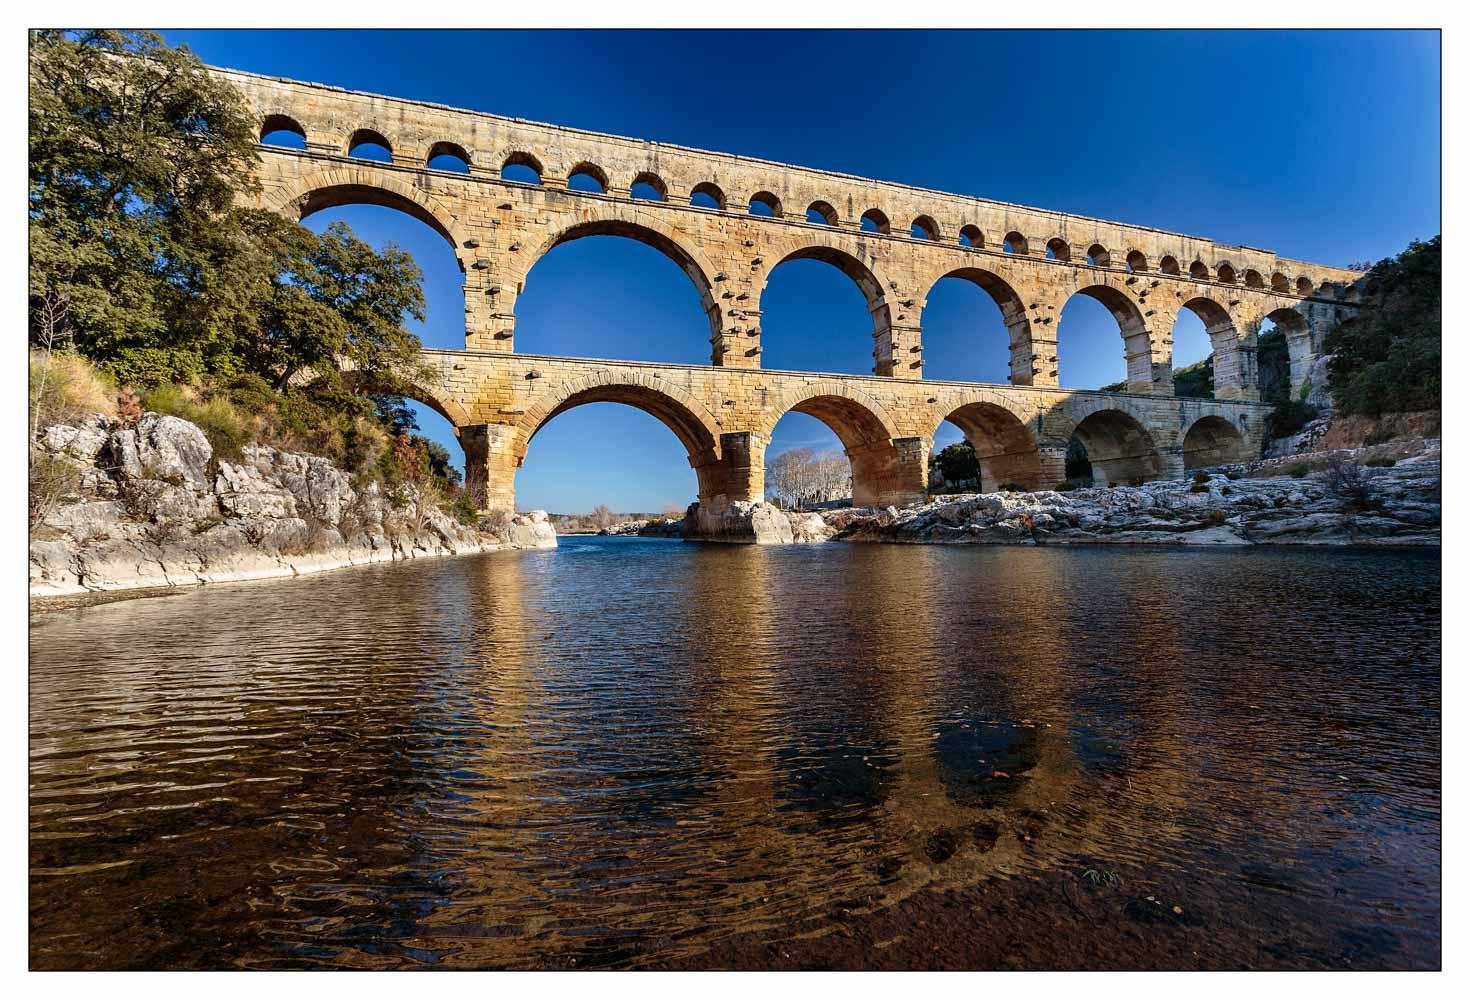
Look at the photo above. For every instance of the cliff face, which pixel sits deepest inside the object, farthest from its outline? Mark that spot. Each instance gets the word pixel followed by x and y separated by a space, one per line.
pixel 148 506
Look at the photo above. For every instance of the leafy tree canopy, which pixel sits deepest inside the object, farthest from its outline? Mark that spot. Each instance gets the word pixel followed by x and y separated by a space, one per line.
pixel 1386 359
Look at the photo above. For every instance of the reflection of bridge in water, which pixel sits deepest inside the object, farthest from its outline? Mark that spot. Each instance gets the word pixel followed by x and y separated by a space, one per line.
pixel 728 221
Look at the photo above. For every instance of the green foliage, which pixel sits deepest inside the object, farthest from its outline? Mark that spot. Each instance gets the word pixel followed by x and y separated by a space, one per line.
pixel 1078 465
pixel 1199 487
pixel 1273 366
pixel 1012 488
pixel 957 463
pixel 1289 417
pixel 1381 463
pixel 1298 471
pixel 1386 359
pixel 1196 381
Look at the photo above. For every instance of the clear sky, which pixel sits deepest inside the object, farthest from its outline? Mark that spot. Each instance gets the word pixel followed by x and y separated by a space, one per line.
pixel 1323 146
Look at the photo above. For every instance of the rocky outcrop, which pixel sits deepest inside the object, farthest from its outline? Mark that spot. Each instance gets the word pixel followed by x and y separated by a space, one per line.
pixel 149 506
pixel 1235 505
pixel 653 527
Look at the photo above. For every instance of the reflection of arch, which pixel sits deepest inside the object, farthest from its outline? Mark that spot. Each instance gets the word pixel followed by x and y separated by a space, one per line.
pixel 1118 445
pixel 690 261
pixel 354 185
pixel 860 423
pixel 1213 441
pixel 1004 445
pixel 1012 311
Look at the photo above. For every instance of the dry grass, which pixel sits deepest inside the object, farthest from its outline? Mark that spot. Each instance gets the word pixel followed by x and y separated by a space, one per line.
pixel 65 388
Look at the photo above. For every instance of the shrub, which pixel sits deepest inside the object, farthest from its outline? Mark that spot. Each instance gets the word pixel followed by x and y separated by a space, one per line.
pixel 464 510
pixel 1065 486
pixel 1298 470
pixel 1232 475
pixel 1012 488
pixel 1201 477
pixel 51 480
pixel 65 388
pixel 1288 418
pixel 1200 487
pixel 1381 463
pixel 228 429
pixel 1345 480
pixel 1380 435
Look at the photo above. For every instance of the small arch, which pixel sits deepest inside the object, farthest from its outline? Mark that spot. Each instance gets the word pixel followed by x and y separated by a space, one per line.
pixel 1225 273
pixel 1280 282
pixel 970 236
pixel 765 204
pixel 588 178
pixel 450 156
pixel 1098 256
pixel 283 131
pixel 1136 263
pixel 1304 286
pixel 1212 441
pixel 1329 290
pixel 366 144
pixel 874 221
pixel 1004 445
pixel 821 214
pixel 1253 279
pixel 1119 449
pixel 924 228
pixel 707 195
pixel 521 168
pixel 1198 271
pixel 866 435
pixel 1057 249
pixel 1169 265
pixel 1015 243
pixel 649 186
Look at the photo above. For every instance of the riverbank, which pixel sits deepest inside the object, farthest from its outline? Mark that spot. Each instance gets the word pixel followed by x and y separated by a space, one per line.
pixel 1337 498
pixel 150 505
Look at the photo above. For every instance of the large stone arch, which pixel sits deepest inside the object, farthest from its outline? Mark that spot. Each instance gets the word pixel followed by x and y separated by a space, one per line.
pixel 1300 350
pixel 1234 359
pixel 1005 440
pixel 1119 444
pixel 834 249
pixel 1027 353
pixel 629 222
pixel 363 185
pixel 1213 440
pixel 1138 339
pixel 886 469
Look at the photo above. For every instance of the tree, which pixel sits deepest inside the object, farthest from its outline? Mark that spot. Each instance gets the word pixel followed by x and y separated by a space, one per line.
pixel 957 463
pixel 1386 359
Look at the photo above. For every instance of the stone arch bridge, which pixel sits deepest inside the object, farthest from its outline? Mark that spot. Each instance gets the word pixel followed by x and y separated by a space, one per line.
pixel 728 221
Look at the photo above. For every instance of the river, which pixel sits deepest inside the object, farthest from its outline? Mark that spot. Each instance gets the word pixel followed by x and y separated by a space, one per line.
pixel 632 753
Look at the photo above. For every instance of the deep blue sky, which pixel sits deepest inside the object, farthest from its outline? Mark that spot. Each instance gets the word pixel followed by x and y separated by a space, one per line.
pixel 1323 146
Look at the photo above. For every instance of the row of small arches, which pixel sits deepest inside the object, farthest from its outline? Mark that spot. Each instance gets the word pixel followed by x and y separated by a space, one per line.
pixel 525 168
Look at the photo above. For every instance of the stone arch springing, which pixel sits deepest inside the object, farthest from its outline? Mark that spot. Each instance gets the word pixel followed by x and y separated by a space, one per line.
pixel 1004 444
pixel 1098 256
pixel 1058 249
pixel 821 213
pixel 1119 447
pixel 1027 359
pixel 1015 243
pixel 1253 278
pixel 883 472
pixel 764 203
pixel 448 151
pixel 367 137
pixel 714 197
pixel 1198 271
pixel 862 276
pixel 1136 263
pixel 691 422
pixel 1280 282
pixel 522 168
pixel 1213 440
pixel 277 123
pixel 1169 265
pixel 588 178
pixel 1137 343
pixel 970 236
pixel 1225 273
pixel 1234 368
pixel 874 221
pixel 652 187
pixel 690 261
pixel 1304 286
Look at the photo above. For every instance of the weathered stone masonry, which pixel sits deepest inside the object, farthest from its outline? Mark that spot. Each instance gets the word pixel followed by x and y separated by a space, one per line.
pixel 1028 260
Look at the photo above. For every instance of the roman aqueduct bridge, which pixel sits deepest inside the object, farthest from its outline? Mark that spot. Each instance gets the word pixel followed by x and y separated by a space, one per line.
pixel 728 221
